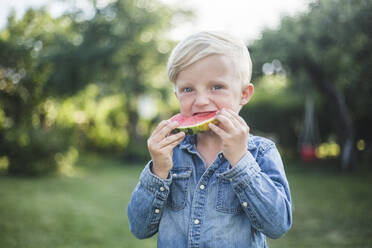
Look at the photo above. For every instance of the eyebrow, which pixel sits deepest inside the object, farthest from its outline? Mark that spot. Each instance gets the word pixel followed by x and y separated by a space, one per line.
pixel 217 81
pixel 187 83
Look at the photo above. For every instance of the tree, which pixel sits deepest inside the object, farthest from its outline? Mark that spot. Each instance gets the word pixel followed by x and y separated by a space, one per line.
pixel 45 62
pixel 328 49
pixel 28 136
pixel 119 49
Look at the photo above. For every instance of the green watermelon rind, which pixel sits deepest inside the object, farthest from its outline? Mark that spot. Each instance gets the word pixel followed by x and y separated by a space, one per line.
pixel 195 129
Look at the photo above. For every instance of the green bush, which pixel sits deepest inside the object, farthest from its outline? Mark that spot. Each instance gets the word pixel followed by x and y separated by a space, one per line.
pixel 275 112
pixel 32 151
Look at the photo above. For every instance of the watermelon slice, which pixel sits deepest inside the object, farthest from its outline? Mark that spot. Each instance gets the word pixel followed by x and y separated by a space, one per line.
pixel 194 124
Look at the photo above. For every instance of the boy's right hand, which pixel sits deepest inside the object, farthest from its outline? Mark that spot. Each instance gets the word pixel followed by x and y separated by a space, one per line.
pixel 161 144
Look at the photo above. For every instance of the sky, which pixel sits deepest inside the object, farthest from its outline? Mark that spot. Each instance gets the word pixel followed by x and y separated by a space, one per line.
pixel 243 18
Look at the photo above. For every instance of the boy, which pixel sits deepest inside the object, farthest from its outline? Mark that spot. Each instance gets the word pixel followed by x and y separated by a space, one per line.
pixel 221 188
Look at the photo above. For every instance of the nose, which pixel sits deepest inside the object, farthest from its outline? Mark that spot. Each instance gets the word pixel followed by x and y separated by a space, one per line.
pixel 201 99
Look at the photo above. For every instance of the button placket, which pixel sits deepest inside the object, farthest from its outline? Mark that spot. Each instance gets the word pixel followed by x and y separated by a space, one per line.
pixel 198 206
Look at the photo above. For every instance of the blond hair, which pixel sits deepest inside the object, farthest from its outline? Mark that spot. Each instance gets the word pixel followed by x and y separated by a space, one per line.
pixel 203 44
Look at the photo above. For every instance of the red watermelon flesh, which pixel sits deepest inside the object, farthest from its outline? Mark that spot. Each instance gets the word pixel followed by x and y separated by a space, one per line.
pixel 194 124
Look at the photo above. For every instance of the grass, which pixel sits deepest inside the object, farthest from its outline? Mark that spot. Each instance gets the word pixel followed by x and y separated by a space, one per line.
pixel 85 211
pixel 330 209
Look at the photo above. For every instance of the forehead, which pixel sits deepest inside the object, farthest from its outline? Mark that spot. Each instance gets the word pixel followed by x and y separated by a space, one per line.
pixel 211 68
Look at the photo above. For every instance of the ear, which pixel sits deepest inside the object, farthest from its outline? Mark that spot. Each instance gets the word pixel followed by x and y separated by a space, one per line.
pixel 247 93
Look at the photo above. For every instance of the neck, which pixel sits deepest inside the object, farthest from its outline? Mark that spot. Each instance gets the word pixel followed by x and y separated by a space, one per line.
pixel 209 140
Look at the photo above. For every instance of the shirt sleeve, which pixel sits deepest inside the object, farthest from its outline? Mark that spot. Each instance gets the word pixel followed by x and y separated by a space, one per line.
pixel 147 203
pixel 263 191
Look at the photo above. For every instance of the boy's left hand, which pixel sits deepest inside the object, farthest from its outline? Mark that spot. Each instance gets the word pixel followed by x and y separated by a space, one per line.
pixel 233 131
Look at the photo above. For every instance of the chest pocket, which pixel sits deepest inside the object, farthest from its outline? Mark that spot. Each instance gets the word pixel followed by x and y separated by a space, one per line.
pixel 227 201
pixel 178 189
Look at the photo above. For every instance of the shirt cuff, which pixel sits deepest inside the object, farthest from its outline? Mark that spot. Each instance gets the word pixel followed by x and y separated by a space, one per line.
pixel 243 172
pixel 155 184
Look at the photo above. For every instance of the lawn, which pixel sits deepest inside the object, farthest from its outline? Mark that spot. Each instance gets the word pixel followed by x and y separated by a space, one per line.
pixel 89 210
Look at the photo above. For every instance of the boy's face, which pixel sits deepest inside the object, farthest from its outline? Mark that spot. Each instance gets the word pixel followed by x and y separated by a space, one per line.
pixel 210 84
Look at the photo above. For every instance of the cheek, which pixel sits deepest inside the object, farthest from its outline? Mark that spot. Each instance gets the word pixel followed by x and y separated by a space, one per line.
pixel 230 101
pixel 185 101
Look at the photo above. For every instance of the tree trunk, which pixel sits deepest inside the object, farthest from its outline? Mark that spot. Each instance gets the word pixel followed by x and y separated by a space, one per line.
pixel 343 121
pixel 136 141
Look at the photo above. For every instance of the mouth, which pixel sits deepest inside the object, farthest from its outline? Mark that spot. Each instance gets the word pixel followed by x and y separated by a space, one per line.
pixel 204 113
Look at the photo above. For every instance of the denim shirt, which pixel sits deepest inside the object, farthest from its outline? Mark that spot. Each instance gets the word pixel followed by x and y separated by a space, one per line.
pixel 218 206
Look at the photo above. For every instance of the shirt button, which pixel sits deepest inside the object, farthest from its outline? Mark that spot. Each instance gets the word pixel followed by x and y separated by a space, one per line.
pixel 196 221
pixel 245 204
pixel 162 188
pixel 221 156
pixel 202 186
pixel 157 210
pixel 174 174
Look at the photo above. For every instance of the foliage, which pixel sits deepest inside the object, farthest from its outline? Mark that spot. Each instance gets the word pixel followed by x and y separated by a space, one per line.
pixel 272 105
pixel 327 50
pixel 28 135
pixel 73 81
pixel 99 121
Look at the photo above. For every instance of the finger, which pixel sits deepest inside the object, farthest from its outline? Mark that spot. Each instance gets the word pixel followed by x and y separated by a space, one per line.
pixel 232 116
pixel 219 131
pixel 166 130
pixel 237 119
pixel 170 143
pixel 171 139
pixel 225 123
pixel 161 125
pixel 242 121
pixel 177 141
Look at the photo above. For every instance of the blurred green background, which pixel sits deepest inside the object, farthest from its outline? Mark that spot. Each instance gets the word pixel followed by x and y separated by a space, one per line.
pixel 80 95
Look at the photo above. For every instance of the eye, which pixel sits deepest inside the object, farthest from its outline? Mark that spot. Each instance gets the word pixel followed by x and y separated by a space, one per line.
pixel 187 89
pixel 217 87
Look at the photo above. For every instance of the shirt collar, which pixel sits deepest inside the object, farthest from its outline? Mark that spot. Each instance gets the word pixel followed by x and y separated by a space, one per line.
pixel 190 140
